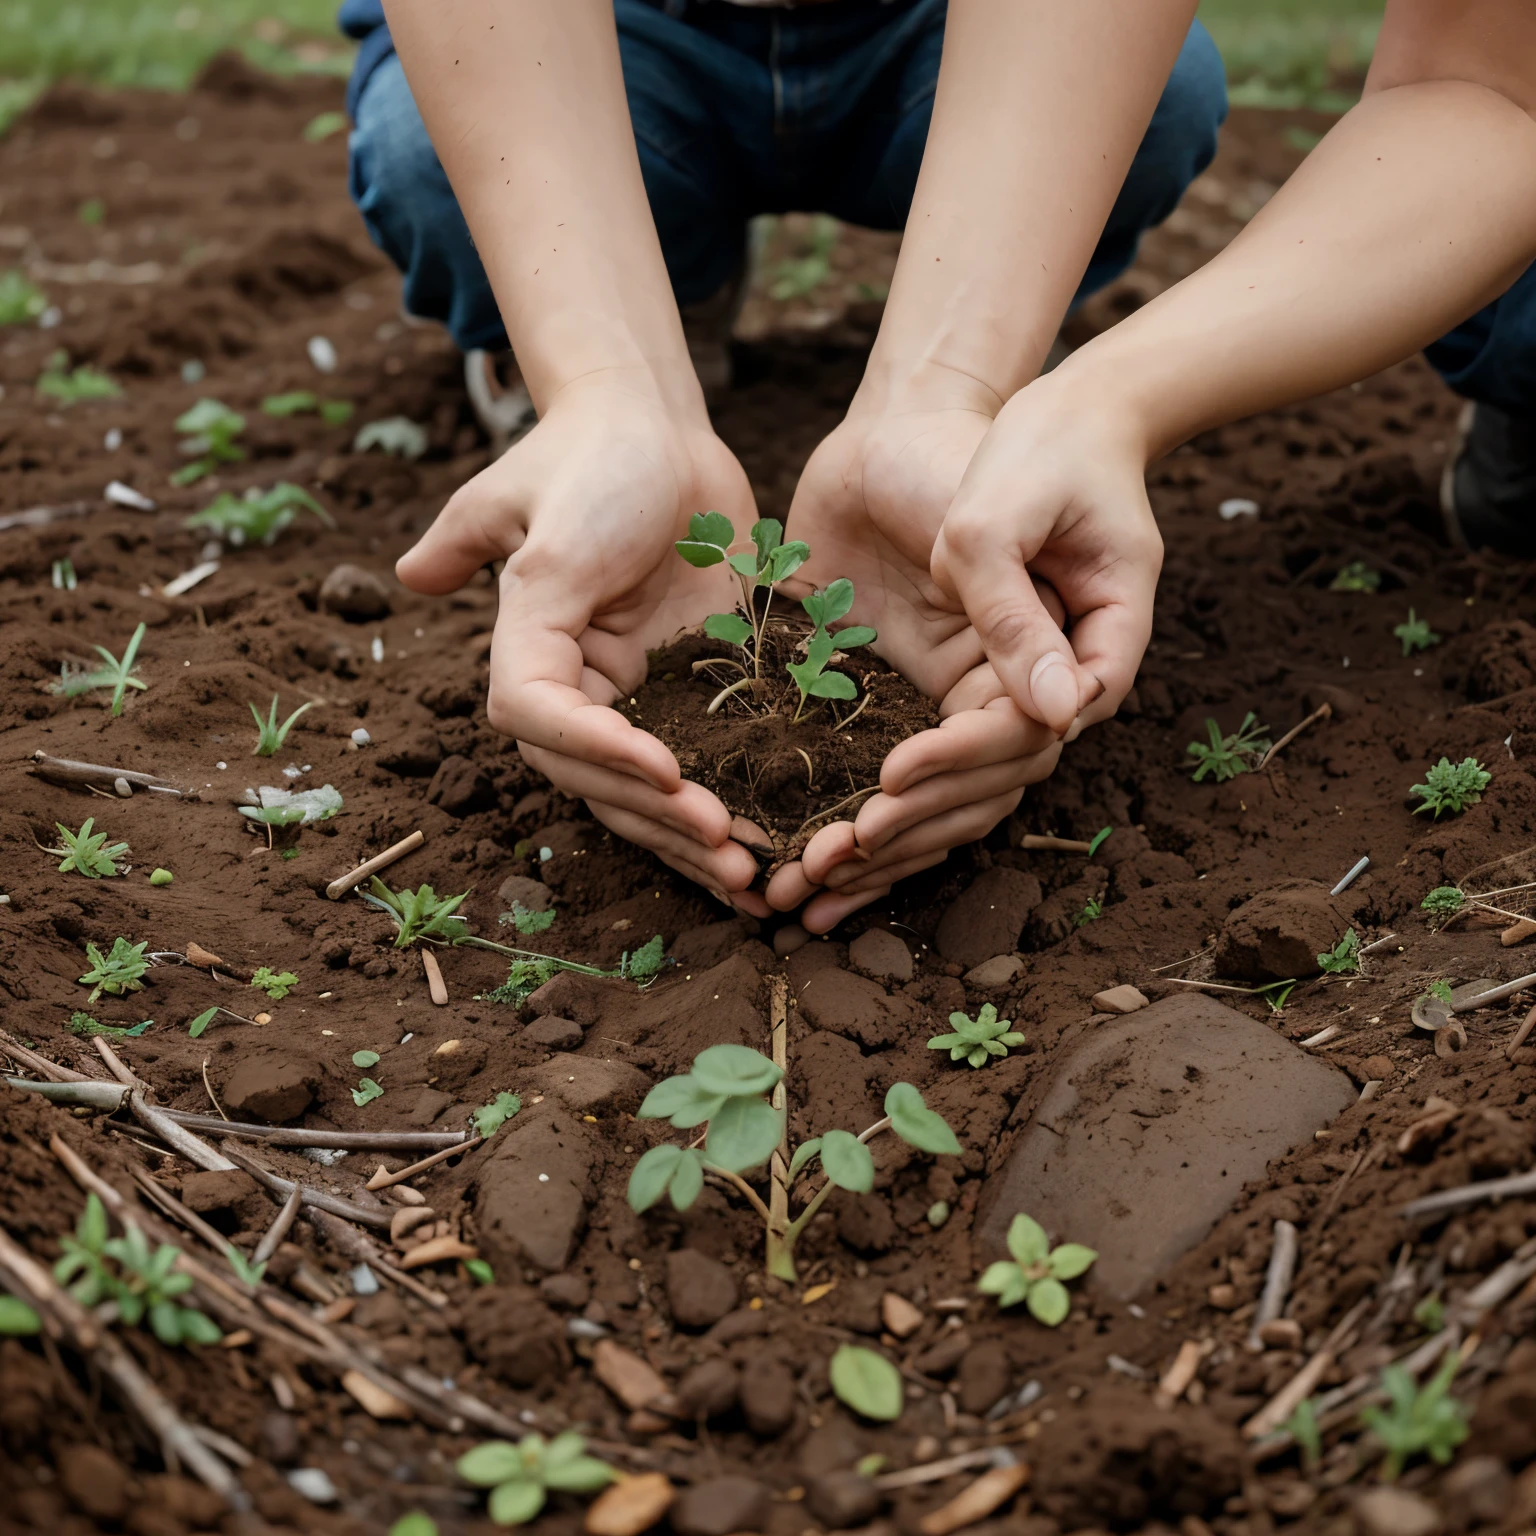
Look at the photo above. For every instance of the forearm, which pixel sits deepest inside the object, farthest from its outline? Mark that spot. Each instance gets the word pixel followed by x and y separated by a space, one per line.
pixel 525 104
pixel 1409 216
pixel 1039 111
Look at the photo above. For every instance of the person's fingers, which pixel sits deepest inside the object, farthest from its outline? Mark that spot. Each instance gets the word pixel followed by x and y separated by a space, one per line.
pixel 884 817
pixel 891 873
pixel 788 887
pixel 473 529
pixel 937 834
pixel 973 738
pixel 824 912
pixel 1109 641
pixel 831 845
pixel 725 872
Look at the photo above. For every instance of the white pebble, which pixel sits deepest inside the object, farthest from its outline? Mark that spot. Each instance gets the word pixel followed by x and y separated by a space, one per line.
pixel 292 771
pixel 361 737
pixel 212 550
pixel 327 1157
pixel 1237 506
pixel 50 317
pixel 364 1281
pixel 125 496
pixel 189 579
pixel 192 371
pixel 376 650
pixel 322 354
pixel 221 765
pixel 545 855
pixel 543 1178
pixel 314 1483
pixel 113 440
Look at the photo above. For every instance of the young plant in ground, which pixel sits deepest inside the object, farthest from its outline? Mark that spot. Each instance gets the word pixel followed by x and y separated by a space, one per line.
pixel 1227 756
pixel 114 674
pixel 1444 901
pixel 20 300
pixel 1415 634
pixel 1449 788
pixel 397 435
pixel 529 971
pixel 1098 840
pixel 977 1040
pixel 334 413
pixel 527 921
pixel 1093 910
pixel 1357 576
pixel 118 972
pixel 59 383
pixel 366 1092
pixel 810 675
pixel 419 914
pixel 276 984
pixel 1417 1419
pixel 796 276
pixel 725 1091
pixel 1429 1314
pixel 1344 958
pixel 270 736
pixel 88 853
pixel 1036 1274
pixel 258 516
pixel 213 428
pixel 63 575
pixel 522 1476
pixel 490 1118
pixel 1440 991
pixel 17 1319
pixel 1305 1431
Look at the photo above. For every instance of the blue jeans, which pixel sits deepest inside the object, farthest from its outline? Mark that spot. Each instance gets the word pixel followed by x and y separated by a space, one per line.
pixel 1491 358
pixel 739 111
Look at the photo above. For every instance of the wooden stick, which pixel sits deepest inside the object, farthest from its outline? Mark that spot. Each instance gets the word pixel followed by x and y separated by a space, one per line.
pixel 272 1238
pixel 355 877
pixel 89 1094
pixel 311 1197
pixel 1176 1379
pixel 177 1137
pixel 49 1069
pixel 437 988
pixel 1300 1387
pixel 1459 1199
pixel 1322 712
pixel 358 1246
pixel 1483 999
pixel 1518 933
pixel 932 1471
pixel 383 1180
pixel 1034 841
pixel 1521 1035
pixel 115 1064
pixel 64 770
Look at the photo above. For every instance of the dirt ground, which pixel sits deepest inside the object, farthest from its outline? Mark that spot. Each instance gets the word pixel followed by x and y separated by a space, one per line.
pixel 229 243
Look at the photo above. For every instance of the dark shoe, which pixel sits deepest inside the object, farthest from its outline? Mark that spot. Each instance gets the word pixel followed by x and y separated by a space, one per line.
pixel 502 407
pixel 1488 490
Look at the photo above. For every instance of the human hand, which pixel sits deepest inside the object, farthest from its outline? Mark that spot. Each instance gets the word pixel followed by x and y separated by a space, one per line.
pixel 585 511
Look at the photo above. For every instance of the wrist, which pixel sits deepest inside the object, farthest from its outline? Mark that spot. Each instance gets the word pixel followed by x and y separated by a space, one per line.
pixel 895 386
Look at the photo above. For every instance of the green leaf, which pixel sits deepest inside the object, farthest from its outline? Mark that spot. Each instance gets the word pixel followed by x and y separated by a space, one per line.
pixel 744 565
pixel 743 1134
pixel 854 636
pixel 323 126
pixel 290 404
pixel 91 1229
pixel 787 559
pixel 494 1461
pixel 729 627
pixel 365 1058
pixel 947 1042
pixel 479 1271
pixel 682 1100
pixel 828 606
pixel 916 1124
pixel 515 1503
pixel 165 1322
pixel 833 685
pixel 1027 1241
pixel 201 1022
pixel 767 535
pixel 366 1092
pixel 710 535
pixel 197 1327
pixel 17 1319
pixel 649 1178
pixel 734 1070
pixel 867 1382
pixel 396 435
pixel 1071 1260
pixel 415 1522
pixel 490 1118
pixel 581 1474
pixel 997 1277
pixel 803 1154
pixel 687 1182
pixel 1049 1303
pixel 646 961
pixel 848 1162
pixel 1097 840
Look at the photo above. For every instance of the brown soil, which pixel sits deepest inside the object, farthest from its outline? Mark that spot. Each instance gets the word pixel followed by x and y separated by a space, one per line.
pixel 255 250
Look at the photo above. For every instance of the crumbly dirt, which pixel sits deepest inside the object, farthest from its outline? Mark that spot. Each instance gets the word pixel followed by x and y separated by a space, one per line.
pixel 229 241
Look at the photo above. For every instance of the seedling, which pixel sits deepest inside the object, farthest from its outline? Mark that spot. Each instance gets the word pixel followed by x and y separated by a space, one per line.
pixel 213 428
pixel 522 1476
pixel 276 984
pixel 366 1092
pixel 1429 1314
pixel 258 516
pixel 867 1382
pixel 810 675
pixel 1344 958
pixel 1440 991
pixel 88 853
pixel 479 1271
pixel 725 1091
pixel 20 300
pixel 419 914
pixel 159 877
pixel 977 1040
pixel 118 972
pixel 490 1118
pixel 270 736
pixel 1415 634
pixel 201 1022
pixel 333 413
pixel 63 576
pixel 1418 1419
pixel 246 1272
pixel 92 212
pixel 84 1024
pixel 324 125
pixel 1098 839
pixel 529 971
pixel 1449 788
pixel 1305 1431
pixel 1037 1273
pixel 1228 756
pixel 1444 901
pixel 1357 576
pixel 1093 910
pixel 397 435
pixel 59 383
pixel 17 1319
pixel 114 674
pixel 797 276
pixel 415 1522
pixel 140 1280
pixel 527 921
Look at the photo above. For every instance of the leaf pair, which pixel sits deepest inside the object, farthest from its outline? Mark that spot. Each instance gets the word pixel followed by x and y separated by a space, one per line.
pixel 522 1476
pixel 1036 1273
pixel 213 428
pixel 711 534
pixel 258 516
pixel 977 1040
pixel 824 608
pixel 1228 756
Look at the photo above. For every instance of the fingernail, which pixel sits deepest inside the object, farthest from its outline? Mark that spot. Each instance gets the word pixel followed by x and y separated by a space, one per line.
pixel 719 896
pixel 1053 687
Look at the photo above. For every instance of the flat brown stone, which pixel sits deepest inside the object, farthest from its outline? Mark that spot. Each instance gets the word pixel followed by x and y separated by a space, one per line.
pixel 1123 999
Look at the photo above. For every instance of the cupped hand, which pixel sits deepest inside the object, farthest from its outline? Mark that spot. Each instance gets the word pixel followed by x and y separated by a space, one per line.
pixel 585 511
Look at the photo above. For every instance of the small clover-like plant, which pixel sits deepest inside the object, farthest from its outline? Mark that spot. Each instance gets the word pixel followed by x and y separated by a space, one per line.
pixel 67 386
pixel 276 984
pixel 1417 1420
pixel 1444 901
pixel 212 429
pixel 977 1040
pixel 113 673
pixel 88 853
pixel 1037 1273
pixel 1227 756
pixel 527 921
pixel 366 1092
pixel 1093 910
pixel 1449 788
pixel 419 914
pixel 270 736
pixel 490 1118
pixel 1415 634
pixel 1344 958
pixel 258 516
pixel 811 675
pixel 1357 576
pixel 118 972
pixel 522 1476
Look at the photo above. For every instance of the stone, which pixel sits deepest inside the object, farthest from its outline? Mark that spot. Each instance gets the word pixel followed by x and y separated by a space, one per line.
pixel 941 1358
pixel 635 1383
pixel 721 1507
pixel 205 1192
pixel 899 1315
pixel 1395 1512
pixel 630 1507
pixel 864 1222
pixel 854 1006
pixel 881 954
pixel 1477 1492
pixel 1122 999
pixel 708 1390
pixel 700 1290
pixel 1280 933
pixel 353 594
pixel 767 1395
pixel 94 1481
pixel 1146 1130
pixel 519 890
pixel 788 939
pixel 531 1195
pixel 842 1499
pixel 553 1034
pixel 982 1378
pixel 743 1323
pixel 460 787
pixel 280 1438
pixel 271 1085
pixel 994 974
pixel 987 917
pixel 1380 1068
pixel 569 1290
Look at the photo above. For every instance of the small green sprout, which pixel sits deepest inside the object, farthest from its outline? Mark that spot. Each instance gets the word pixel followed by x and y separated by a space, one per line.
pixel 1451 787
pixel 92 212
pixel 20 300
pixel 529 971
pixel 196 1026
pixel 17 1319
pixel 63 575
pixel 213 428
pixel 1098 840
pixel 522 1476
pixel 270 736
pixel 323 126
pixel 1429 1314
pixel 415 1522
pixel 288 853
pixel 88 853
pixel 479 1271
pixel 276 984
pixel 1344 958
pixel 1415 634
pixel 333 413
pixel 490 1118
pixel 366 1059
pixel 366 1092
pixel 1444 901
pixel 114 674
pixel 977 1040
pixel 867 1382
pixel 1228 756
pixel 810 675
pixel 1277 994
pixel 1093 910
pixel 796 277
pixel 258 516
pixel 1036 1273
pixel 159 877
pixel 1357 576
pixel 59 383
pixel 419 914
pixel 117 972
pixel 1304 1430
pixel 84 1024
pixel 524 978
pixel 1417 1419
pixel 246 1272
pixel 1440 991
pixel 527 921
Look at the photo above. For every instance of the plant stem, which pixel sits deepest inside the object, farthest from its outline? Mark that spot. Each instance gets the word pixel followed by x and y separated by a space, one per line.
pixel 739 1183
pixel 529 954
pixel 757 638
pixel 779 1258
pixel 803 1220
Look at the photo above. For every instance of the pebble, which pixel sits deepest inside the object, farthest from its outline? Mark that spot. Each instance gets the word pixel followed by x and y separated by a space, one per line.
pixel 1237 506
pixel 327 1157
pixel 313 1483
pixel 629 1507
pixel 708 1390
pixel 841 1499
pixel 1395 1512
pixel 354 594
pixel 1281 1333
pixel 1122 999
pixel 788 939
pixel 993 974
pixel 700 1290
pixel 721 1506
pixel 899 1315
pixel 880 953
pixel 192 370
pixel 364 1281
pixel 322 353
pixel 361 738
pixel 113 440
pixel 635 1383
pixel 376 648
pixel 94 1481
pixel 767 1396
pixel 121 495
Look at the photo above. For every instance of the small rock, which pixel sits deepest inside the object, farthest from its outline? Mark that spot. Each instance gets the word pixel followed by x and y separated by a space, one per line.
pixel 982 1379
pixel 994 974
pixel 459 787
pixel 941 1358
pixel 94 1481
pixel 700 1290
pixel 223 1191
pixel 364 1281
pixel 522 891
pixel 1279 933
pixel 376 1401
pixel 313 1483
pixel 1281 1333
pixel 1122 999
pixel 708 1390
pixel 720 1507
pixel 629 1507
pixel 353 594
pixel 635 1383
pixel 361 738
pixel 1237 506
pixel 280 1437
pixel 322 353
pixel 1478 1492
pixel 414 756
pixel 271 1085
pixel 1381 1068
pixel 568 1290
pixel 841 1499
pixel 743 1323
pixel 1223 1297
pixel 515 1336
pixel 899 1315
pixel 987 918
pixel 788 939
pixel 767 1395
pixel 553 1034
pixel 1395 1512
pixel 880 953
